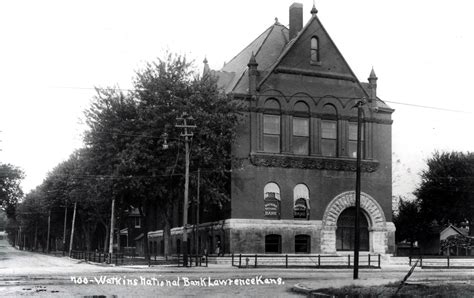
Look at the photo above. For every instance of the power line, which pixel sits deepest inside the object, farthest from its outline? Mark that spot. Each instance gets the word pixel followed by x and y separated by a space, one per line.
pixel 284 95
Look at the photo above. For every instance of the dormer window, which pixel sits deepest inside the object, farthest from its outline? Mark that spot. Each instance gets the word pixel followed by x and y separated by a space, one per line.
pixel 315 50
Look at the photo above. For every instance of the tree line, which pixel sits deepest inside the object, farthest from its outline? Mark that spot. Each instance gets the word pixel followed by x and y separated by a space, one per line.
pixel 124 159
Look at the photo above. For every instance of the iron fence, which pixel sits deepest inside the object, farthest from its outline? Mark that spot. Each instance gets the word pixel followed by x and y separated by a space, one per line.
pixel 294 261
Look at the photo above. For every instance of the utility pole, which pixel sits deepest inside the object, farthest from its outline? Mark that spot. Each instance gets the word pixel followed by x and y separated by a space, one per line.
pixel 196 236
pixel 64 232
pixel 111 236
pixel 72 228
pixel 49 231
pixel 357 192
pixel 187 135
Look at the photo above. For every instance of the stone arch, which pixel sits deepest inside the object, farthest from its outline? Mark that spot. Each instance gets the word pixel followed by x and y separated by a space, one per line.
pixel 378 227
pixel 347 199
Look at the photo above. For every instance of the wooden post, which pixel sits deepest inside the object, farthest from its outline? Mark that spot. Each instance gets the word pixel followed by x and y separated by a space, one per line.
pixel 72 228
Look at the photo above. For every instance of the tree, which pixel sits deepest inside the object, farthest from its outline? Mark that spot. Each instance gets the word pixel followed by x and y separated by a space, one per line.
pixel 408 221
pixel 126 137
pixel 445 194
pixel 10 190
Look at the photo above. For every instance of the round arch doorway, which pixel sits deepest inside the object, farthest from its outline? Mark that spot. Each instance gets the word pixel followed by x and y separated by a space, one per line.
pixel 345 232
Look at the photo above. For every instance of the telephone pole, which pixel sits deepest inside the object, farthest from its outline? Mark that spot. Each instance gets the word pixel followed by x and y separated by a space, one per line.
pixel 187 134
pixel 357 192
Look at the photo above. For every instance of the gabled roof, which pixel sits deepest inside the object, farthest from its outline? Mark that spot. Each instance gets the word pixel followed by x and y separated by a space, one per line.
pixel 266 48
pixel 295 41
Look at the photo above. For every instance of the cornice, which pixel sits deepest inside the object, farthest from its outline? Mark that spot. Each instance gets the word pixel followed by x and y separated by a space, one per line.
pixel 311 162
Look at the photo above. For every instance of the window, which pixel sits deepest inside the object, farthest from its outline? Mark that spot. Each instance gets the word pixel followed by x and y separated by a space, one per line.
pixel 302 244
pixel 301 202
pixel 300 135
pixel 137 222
pixel 271 194
pixel 271 127
pixel 271 133
pixel 314 49
pixel 329 138
pixel 352 143
pixel 273 244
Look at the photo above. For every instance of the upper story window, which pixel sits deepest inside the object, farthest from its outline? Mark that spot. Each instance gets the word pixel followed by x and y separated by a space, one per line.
pixel 301 129
pixel 329 131
pixel 352 140
pixel 272 127
pixel 315 49
pixel 301 201
pixel 329 138
pixel 271 193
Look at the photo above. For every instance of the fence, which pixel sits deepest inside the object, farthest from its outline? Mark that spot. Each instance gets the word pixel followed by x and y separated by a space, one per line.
pixel 98 257
pixel 444 261
pixel 315 261
pixel 196 260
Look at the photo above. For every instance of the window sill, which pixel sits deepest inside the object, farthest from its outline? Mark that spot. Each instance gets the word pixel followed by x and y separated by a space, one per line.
pixel 311 162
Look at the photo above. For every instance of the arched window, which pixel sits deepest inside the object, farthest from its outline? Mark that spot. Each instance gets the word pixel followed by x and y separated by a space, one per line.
pixel 273 243
pixel 314 49
pixel 301 202
pixel 301 129
pixel 271 195
pixel 302 244
pixel 271 126
pixel 345 231
pixel 329 131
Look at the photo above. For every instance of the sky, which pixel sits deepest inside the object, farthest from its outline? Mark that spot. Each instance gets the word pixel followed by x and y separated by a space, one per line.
pixel 53 54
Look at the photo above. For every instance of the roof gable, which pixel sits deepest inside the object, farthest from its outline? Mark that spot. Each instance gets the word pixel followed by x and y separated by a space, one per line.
pixel 296 58
pixel 266 48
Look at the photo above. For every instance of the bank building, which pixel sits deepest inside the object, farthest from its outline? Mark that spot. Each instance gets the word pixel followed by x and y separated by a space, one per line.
pixel 294 192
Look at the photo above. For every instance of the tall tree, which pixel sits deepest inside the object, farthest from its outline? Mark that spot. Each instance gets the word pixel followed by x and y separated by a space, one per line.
pixel 10 190
pixel 445 194
pixel 126 132
pixel 408 221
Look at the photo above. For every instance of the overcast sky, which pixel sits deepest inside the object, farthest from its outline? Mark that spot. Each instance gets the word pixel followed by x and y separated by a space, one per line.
pixel 53 53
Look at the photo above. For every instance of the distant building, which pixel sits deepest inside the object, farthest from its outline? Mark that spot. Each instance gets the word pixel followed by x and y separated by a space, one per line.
pixel 295 190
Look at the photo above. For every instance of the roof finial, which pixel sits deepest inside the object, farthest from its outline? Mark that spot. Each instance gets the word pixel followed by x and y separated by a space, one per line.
pixel 314 11
pixel 276 22
pixel 252 61
pixel 372 74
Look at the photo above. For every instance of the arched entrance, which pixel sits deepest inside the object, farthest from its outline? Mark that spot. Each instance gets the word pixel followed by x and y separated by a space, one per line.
pixel 378 228
pixel 345 231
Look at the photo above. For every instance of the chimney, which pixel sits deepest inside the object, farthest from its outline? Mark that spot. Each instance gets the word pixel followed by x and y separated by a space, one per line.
pixel 296 19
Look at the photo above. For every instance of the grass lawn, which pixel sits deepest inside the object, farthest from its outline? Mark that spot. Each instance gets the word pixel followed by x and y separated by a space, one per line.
pixel 409 290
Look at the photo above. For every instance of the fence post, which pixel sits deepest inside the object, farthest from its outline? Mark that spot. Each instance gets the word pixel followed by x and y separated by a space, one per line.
pixel 286 261
pixel 348 260
pixel 255 260
pixel 240 260
pixel 369 260
pixel 421 261
pixel 409 258
pixel 232 260
pixel 379 261
pixel 319 260
pixel 448 261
